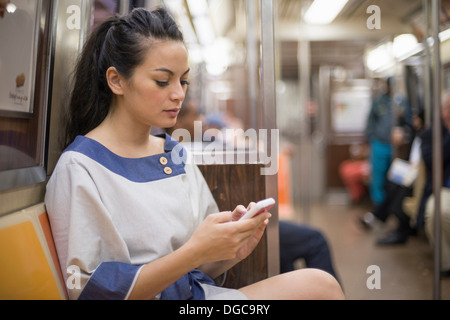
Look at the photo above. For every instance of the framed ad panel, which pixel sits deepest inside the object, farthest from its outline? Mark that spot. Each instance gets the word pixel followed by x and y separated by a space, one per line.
pixel 19 38
pixel 25 74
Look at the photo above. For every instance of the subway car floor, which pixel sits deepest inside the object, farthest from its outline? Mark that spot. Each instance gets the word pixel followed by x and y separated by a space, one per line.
pixel 405 270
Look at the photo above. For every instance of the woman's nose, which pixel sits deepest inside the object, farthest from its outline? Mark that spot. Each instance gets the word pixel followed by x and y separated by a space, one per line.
pixel 178 92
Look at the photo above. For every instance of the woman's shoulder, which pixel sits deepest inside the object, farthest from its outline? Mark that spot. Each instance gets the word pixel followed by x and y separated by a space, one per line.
pixel 78 151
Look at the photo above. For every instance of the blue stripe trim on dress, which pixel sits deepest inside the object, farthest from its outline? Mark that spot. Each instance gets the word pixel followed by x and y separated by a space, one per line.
pixel 110 281
pixel 139 170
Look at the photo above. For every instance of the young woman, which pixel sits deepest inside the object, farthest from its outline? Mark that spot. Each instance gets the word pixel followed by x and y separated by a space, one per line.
pixel 129 220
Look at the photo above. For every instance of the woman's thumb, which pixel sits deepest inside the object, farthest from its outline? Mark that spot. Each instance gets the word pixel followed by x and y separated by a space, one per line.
pixel 238 213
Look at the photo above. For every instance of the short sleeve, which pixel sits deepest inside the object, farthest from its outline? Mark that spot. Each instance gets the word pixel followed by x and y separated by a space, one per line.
pixel 83 231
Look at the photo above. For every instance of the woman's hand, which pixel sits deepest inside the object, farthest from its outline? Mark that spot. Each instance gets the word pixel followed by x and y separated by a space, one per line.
pixel 254 239
pixel 222 236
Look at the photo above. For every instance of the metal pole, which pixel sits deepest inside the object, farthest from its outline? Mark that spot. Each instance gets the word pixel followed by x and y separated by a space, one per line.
pixel 268 86
pixel 124 7
pixel 427 65
pixel 87 8
pixel 304 62
pixel 63 55
pixel 437 149
pixel 252 62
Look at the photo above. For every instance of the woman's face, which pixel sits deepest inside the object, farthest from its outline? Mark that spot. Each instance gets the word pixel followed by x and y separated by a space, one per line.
pixel 154 94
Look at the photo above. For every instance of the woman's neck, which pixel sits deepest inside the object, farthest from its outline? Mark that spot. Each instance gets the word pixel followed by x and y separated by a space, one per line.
pixel 126 142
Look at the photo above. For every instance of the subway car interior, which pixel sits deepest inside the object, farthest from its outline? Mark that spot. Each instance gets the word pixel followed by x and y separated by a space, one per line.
pixel 280 97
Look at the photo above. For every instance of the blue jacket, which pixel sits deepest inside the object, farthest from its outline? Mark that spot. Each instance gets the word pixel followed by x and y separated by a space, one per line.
pixel 379 122
pixel 385 113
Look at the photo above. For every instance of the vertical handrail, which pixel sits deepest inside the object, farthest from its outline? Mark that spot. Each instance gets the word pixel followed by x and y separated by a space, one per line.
pixel 304 62
pixel 67 42
pixel 268 85
pixel 437 149
pixel 87 7
pixel 252 62
pixel 427 64
pixel 124 7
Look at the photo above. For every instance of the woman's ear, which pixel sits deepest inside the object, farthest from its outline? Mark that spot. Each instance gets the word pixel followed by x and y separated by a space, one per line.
pixel 114 80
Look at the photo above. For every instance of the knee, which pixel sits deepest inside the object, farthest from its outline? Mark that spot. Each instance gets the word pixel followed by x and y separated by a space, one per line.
pixel 324 286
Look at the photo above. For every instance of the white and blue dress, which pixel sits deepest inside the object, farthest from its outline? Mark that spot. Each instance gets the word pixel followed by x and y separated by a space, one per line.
pixel 111 215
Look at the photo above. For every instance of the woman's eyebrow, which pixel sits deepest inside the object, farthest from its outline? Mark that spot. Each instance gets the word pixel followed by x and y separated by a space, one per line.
pixel 170 71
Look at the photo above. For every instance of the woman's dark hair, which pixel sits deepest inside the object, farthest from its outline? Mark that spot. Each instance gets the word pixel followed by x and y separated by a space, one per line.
pixel 120 42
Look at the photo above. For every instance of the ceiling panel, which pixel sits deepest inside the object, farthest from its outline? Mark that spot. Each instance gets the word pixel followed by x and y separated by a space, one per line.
pixel 347 53
pixel 354 10
pixel 401 10
pixel 347 49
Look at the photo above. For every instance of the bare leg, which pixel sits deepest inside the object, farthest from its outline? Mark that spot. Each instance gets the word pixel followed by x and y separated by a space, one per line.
pixel 303 284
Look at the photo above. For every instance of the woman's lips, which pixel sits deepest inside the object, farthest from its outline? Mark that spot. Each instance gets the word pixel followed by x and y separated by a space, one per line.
pixel 173 112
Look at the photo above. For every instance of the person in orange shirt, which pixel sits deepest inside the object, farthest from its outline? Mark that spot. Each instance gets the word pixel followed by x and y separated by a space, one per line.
pixel 355 172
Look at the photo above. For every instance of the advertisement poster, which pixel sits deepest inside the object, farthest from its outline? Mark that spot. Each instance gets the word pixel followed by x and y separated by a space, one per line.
pixel 18 50
pixel 350 108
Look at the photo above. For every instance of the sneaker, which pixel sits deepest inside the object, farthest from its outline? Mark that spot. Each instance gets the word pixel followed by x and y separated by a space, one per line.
pixel 367 220
pixel 393 239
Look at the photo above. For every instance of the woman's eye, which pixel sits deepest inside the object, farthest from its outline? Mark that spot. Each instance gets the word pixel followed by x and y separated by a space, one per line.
pixel 166 83
pixel 162 83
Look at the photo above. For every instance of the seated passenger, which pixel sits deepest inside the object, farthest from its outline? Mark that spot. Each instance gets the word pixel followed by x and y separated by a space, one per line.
pixel 134 223
pixel 426 209
pixel 395 195
pixel 298 241
pixel 445 228
pixel 355 172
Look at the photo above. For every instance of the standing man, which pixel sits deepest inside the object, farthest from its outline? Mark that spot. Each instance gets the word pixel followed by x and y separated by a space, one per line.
pixel 386 113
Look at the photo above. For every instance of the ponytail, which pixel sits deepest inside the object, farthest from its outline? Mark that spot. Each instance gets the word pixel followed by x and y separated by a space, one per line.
pixel 120 42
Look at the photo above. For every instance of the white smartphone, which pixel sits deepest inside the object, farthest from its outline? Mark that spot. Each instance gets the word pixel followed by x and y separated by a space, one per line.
pixel 258 208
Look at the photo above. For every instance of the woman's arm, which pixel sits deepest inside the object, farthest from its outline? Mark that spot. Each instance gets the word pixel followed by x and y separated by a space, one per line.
pixel 161 273
pixel 217 242
pixel 215 269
